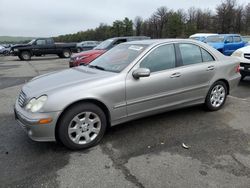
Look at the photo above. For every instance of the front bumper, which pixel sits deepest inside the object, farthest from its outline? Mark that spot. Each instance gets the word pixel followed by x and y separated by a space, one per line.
pixel 245 69
pixel 30 123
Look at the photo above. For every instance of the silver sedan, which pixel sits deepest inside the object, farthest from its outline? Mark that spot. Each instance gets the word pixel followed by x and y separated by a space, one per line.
pixel 130 81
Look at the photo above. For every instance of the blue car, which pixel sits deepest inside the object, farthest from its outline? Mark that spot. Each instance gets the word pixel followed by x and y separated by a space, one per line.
pixel 226 43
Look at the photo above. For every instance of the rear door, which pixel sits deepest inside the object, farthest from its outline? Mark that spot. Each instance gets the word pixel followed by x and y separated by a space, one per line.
pixel 50 47
pixel 238 43
pixel 196 68
pixel 229 45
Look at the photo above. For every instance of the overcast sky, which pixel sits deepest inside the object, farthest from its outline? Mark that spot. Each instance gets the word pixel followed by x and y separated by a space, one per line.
pixel 54 17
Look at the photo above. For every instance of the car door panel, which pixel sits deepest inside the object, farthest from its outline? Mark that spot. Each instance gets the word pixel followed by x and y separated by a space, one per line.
pixel 158 91
pixel 195 80
pixel 197 69
pixel 155 92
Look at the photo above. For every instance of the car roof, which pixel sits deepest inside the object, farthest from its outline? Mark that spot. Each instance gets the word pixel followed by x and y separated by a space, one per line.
pixel 203 34
pixel 131 37
pixel 159 41
pixel 229 35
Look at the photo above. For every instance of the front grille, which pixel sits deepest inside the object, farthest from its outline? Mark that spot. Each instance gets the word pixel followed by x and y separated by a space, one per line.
pixel 22 99
pixel 247 56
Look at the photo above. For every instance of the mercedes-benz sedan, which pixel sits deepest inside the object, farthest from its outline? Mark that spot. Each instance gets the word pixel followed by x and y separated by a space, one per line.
pixel 130 81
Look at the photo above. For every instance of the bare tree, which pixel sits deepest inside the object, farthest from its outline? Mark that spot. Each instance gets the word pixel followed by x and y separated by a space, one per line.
pixel 138 25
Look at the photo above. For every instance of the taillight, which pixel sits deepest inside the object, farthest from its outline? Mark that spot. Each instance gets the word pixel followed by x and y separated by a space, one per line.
pixel 238 69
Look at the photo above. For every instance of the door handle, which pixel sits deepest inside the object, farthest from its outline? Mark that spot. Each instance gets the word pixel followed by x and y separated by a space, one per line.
pixel 209 68
pixel 175 75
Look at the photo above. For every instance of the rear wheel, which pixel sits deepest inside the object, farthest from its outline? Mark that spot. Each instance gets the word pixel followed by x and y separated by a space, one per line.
pixel 82 126
pixel 65 54
pixel 6 53
pixel 25 55
pixel 216 96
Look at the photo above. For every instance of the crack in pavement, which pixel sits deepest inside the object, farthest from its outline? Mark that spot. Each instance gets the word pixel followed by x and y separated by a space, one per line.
pixel 34 68
pixel 119 164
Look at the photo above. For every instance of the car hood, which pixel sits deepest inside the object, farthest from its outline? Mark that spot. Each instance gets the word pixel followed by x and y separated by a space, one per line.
pixel 20 45
pixel 88 53
pixel 69 78
pixel 245 49
pixel 216 45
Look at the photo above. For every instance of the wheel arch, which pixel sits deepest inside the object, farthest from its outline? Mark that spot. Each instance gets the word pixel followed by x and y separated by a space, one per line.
pixel 226 82
pixel 25 50
pixel 93 101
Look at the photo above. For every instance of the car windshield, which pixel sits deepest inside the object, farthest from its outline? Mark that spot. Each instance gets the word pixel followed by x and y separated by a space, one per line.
pixel 119 57
pixel 104 45
pixel 32 41
pixel 215 39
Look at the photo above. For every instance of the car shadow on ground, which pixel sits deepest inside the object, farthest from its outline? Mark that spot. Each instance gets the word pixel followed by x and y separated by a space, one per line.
pixel 207 134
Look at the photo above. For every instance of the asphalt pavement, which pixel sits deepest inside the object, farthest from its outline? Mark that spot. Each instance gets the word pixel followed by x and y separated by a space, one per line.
pixel 144 153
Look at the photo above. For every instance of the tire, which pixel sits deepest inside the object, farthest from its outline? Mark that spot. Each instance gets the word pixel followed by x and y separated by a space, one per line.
pixel 85 133
pixel 242 77
pixel 78 50
pixel 216 96
pixel 65 54
pixel 25 55
pixel 6 53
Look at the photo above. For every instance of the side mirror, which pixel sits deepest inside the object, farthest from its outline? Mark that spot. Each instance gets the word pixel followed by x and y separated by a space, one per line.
pixel 141 72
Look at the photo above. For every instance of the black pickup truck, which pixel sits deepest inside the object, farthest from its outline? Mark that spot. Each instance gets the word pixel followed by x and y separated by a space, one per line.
pixel 42 46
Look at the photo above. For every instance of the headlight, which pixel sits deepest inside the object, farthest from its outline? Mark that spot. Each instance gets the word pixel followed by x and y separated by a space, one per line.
pixel 238 54
pixel 15 50
pixel 35 105
pixel 80 57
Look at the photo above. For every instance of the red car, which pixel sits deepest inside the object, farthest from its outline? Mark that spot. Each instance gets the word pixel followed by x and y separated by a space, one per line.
pixel 84 58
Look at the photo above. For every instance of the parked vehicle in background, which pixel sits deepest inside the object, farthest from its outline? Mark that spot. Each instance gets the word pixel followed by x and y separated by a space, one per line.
pixel 85 58
pixel 225 43
pixel 130 81
pixel 244 57
pixel 86 45
pixel 201 36
pixel 42 46
pixel 246 39
pixel 4 51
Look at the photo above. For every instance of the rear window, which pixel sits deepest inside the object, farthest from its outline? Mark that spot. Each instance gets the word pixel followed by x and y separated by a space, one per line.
pixel 237 39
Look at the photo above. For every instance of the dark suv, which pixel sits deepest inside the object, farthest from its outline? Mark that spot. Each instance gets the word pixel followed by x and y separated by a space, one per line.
pixel 86 57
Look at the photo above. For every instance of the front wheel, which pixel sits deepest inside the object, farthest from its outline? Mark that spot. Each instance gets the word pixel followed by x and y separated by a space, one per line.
pixel 25 55
pixel 216 96
pixel 82 126
pixel 78 50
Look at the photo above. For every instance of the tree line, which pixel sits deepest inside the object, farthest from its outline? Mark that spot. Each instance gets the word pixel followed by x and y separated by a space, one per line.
pixel 228 17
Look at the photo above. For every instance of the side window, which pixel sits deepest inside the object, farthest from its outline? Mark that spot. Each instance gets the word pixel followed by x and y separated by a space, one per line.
pixel 229 39
pixel 49 41
pixel 237 39
pixel 190 54
pixel 161 58
pixel 40 42
pixel 206 56
pixel 119 41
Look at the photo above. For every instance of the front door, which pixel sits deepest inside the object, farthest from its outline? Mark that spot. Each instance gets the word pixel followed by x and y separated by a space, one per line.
pixel 158 91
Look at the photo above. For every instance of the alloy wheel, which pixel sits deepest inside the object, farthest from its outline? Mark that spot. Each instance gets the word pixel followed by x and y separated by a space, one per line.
pixel 217 96
pixel 84 128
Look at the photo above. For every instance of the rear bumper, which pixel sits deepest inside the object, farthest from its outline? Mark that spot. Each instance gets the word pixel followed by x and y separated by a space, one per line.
pixel 30 123
pixel 234 81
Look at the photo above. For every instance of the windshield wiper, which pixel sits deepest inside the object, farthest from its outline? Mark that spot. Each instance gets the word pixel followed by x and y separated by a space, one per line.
pixel 96 67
